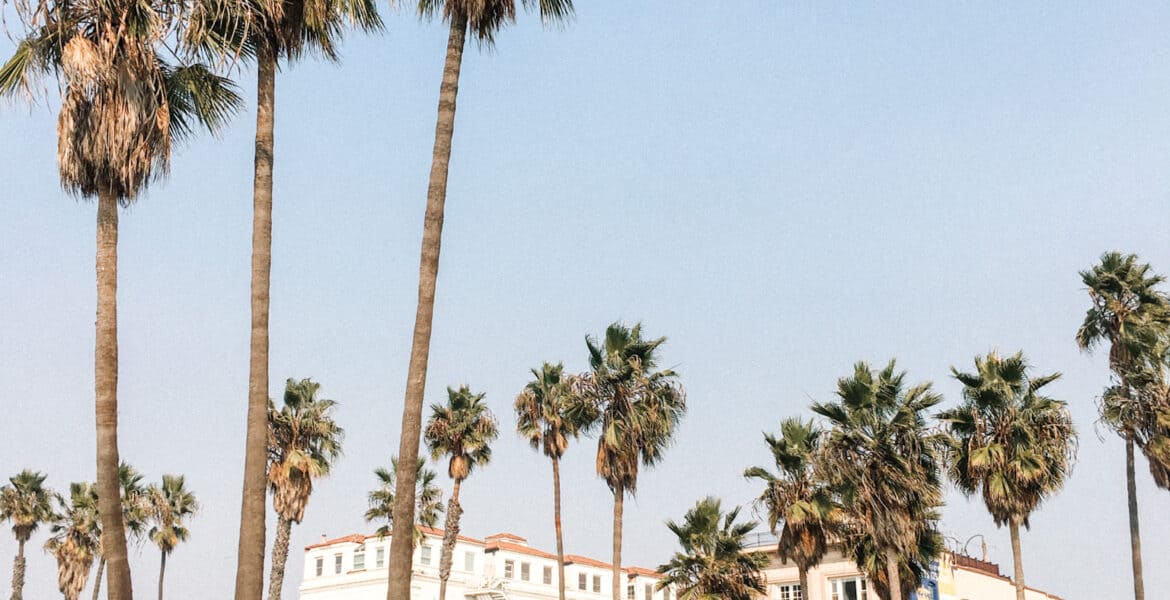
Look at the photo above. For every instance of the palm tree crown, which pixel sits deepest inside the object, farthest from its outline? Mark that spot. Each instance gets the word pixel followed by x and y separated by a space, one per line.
pixel 76 538
pixel 636 406
pixel 712 563
pixel 1008 441
pixel 1128 310
pixel 26 503
pixel 303 443
pixel 463 429
pixel 171 505
pixel 544 411
pixel 428 505
pixel 797 496
pixel 883 460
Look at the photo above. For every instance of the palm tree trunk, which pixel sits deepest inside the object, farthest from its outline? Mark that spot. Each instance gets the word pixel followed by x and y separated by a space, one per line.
pixel 106 398
pixel 400 543
pixel 450 535
pixel 1135 537
pixel 18 571
pixel 619 497
pixel 162 569
pixel 1017 558
pixel 97 581
pixel 279 558
pixel 893 577
pixel 557 522
pixel 250 556
pixel 804 594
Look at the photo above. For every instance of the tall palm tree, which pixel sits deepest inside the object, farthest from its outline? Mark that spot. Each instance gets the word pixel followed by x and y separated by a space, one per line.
pixel 483 19
pixel 462 430
pixel 135 513
pixel 797 496
pixel 77 537
pixel 171 504
pixel 26 503
pixel 428 500
pixel 545 417
pixel 1009 442
pixel 1130 313
pixel 123 101
pixel 303 443
pixel 712 564
pixel 637 406
pixel 884 461
pixel 273 31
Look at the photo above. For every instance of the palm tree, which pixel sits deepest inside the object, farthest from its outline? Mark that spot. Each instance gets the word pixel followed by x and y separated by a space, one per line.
pixel 463 430
pixel 1147 407
pixel 123 101
pixel 884 462
pixel 483 18
pixel 428 500
pixel 637 408
pixel 171 504
pixel 77 538
pixel 135 513
pixel 26 503
pixel 275 31
pixel 303 443
pixel 914 563
pixel 544 417
pixel 712 564
pixel 1009 442
pixel 1131 314
pixel 797 496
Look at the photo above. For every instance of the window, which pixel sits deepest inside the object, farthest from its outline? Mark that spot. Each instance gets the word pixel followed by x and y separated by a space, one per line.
pixel 649 591
pixel 337 564
pixel 548 575
pixel 597 584
pixel 509 569
pixel 468 561
pixel 525 570
pixel 788 591
pixel 380 557
pixel 582 582
pixel 852 588
pixel 320 565
pixel 630 590
pixel 359 559
pixel 424 554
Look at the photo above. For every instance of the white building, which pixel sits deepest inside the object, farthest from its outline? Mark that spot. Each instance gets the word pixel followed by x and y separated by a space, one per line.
pixel 504 567
pixel 499 567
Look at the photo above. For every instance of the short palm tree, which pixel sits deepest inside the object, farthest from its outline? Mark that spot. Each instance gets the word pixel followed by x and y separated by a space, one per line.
pixel 26 503
pixel 428 500
pixel 1009 442
pixel 462 430
pixel 482 19
pixel 1146 407
pixel 883 461
pixel 914 563
pixel 637 406
pixel 303 443
pixel 797 497
pixel 135 514
pixel 712 563
pixel 171 504
pixel 123 101
pixel 273 31
pixel 1130 313
pixel 76 538
pixel 545 417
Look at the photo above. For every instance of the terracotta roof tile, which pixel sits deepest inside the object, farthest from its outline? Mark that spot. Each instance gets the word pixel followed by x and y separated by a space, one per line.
pixel 357 538
pixel 585 560
pixel 642 571
pixel 519 548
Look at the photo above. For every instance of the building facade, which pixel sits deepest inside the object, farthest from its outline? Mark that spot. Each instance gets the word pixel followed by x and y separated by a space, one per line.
pixel 504 567
pixel 499 567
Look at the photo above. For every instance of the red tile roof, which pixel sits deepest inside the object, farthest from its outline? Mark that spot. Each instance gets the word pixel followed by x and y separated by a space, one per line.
pixel 357 538
pixel 506 536
pixel 585 560
pixel 510 547
pixel 642 571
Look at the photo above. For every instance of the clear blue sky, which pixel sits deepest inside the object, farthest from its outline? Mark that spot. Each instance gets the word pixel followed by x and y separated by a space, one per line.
pixel 780 188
